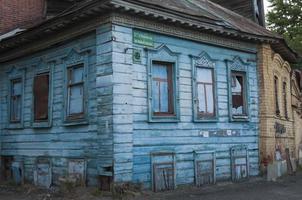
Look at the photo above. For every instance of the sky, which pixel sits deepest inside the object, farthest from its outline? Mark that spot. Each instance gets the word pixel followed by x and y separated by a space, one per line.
pixel 266 4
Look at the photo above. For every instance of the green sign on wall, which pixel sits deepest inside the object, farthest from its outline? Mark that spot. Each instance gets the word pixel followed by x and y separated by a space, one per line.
pixel 143 38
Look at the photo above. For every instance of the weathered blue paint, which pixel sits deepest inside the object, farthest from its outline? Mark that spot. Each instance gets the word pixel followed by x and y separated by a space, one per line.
pixel 119 134
pixel 186 136
pixel 28 141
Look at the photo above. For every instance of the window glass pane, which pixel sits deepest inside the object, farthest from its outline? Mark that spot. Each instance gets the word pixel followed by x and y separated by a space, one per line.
pixel 164 97
pixel 77 74
pixel 201 98
pixel 161 84
pixel 210 99
pixel 16 108
pixel 17 88
pixel 155 96
pixel 160 71
pixel 276 96
pixel 237 94
pixel 76 101
pixel 204 75
pixel 16 94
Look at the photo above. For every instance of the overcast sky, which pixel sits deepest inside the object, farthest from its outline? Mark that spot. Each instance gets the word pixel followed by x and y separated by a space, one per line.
pixel 266 4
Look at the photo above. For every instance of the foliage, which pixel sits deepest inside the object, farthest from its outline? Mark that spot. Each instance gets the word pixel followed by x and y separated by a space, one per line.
pixel 285 18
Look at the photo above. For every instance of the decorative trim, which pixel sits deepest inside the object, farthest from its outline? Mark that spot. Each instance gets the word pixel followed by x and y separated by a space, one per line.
pixel 203 61
pixel 15 72
pixel 163 54
pixel 238 65
pixel 163 28
pixel 72 58
pixel 43 66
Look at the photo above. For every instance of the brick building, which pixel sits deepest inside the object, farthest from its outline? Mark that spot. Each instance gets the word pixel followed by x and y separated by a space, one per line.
pixel 276 114
pixel 27 13
pixel 16 13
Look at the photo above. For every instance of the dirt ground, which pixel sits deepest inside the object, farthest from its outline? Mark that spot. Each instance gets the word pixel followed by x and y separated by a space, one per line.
pixel 287 188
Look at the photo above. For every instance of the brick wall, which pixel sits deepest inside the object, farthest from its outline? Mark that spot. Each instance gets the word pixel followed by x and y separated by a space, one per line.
pixel 271 64
pixel 20 13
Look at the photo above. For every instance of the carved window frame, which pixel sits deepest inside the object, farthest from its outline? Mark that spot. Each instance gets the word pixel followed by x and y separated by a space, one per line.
pixel 43 67
pixel 72 59
pixel 16 72
pixel 163 54
pixel 203 61
pixel 237 65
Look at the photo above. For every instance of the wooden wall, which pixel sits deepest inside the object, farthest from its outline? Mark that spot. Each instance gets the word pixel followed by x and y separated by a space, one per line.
pixel 58 142
pixel 142 137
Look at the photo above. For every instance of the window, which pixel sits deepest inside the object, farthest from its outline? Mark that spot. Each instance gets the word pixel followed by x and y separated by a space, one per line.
pixel 238 91
pixel 75 92
pixel 276 85
pixel 285 99
pixel 205 92
pixel 41 97
pixel 16 100
pixel 163 75
pixel 162 89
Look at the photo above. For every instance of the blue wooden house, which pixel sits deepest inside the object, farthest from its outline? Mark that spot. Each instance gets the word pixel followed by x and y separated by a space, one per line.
pixel 162 93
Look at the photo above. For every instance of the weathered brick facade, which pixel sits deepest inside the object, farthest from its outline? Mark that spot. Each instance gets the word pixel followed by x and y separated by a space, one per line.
pixel 271 65
pixel 20 13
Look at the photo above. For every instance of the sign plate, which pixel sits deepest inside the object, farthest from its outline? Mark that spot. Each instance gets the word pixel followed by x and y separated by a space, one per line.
pixel 143 38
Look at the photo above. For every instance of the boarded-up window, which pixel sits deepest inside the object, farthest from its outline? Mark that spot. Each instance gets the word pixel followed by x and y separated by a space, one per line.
pixel 205 92
pixel 16 100
pixel 75 93
pixel 276 86
pixel 162 89
pixel 285 99
pixel 41 97
pixel 238 94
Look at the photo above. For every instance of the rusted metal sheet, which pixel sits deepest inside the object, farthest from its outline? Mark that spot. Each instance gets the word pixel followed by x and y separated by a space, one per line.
pixel 77 171
pixel 163 171
pixel 239 163
pixel 43 173
pixel 205 167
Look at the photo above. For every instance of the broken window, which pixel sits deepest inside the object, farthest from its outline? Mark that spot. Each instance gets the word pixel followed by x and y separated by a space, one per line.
pixel 41 97
pixel 238 94
pixel 16 100
pixel 285 99
pixel 205 92
pixel 162 89
pixel 75 92
pixel 276 85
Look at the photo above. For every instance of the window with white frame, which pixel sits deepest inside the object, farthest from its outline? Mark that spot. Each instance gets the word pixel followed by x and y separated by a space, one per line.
pixel 205 92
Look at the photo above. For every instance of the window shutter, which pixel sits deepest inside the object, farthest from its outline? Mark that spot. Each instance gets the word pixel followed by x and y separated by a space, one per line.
pixel 41 97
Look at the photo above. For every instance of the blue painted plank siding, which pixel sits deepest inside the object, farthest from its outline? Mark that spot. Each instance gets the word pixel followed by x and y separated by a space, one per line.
pixel 119 133
pixel 182 137
pixel 59 142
